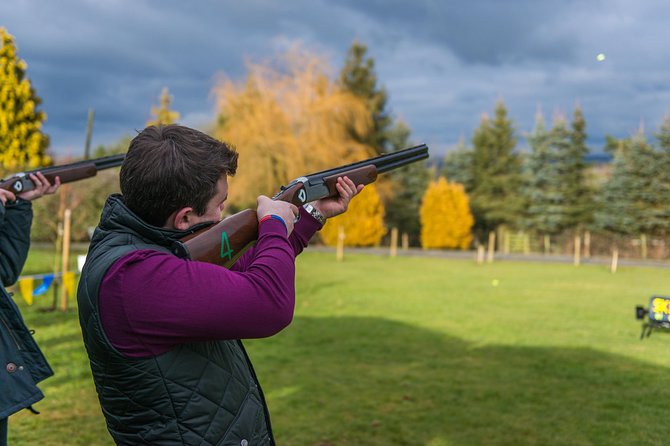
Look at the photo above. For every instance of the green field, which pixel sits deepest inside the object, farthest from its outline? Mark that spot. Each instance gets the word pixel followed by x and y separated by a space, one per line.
pixel 425 351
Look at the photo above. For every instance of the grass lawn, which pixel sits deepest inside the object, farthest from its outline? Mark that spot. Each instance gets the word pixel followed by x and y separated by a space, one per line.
pixel 424 351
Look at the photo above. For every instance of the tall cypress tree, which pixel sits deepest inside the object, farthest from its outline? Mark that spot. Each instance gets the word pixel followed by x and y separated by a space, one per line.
pixel 22 143
pixel 496 173
pixel 358 76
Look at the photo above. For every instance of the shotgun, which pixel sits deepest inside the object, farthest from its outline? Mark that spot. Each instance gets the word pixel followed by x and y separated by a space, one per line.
pixel 224 242
pixel 20 182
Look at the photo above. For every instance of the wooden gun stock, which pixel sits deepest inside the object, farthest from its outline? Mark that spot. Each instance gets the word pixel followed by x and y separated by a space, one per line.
pixel 222 243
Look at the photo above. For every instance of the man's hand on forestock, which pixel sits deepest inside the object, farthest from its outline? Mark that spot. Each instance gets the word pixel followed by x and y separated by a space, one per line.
pixel 330 207
pixel 42 187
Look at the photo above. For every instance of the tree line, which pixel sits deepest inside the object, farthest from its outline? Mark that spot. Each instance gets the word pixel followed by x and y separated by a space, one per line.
pixel 291 116
pixel 551 190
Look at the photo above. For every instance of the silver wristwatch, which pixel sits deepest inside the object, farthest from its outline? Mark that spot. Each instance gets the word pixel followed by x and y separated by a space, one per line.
pixel 311 210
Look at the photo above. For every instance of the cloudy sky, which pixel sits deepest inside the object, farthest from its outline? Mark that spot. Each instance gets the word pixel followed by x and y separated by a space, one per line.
pixel 443 62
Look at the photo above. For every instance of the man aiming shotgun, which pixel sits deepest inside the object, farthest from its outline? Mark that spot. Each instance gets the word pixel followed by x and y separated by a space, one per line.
pixel 225 242
pixel 163 331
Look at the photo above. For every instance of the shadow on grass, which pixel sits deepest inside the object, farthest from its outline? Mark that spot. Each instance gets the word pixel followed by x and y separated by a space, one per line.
pixel 353 381
pixel 350 381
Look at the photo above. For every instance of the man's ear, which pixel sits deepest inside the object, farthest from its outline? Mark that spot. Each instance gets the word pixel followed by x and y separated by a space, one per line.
pixel 182 219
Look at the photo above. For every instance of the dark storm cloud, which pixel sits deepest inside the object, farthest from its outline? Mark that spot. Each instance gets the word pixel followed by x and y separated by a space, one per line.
pixel 116 56
pixel 490 32
pixel 443 63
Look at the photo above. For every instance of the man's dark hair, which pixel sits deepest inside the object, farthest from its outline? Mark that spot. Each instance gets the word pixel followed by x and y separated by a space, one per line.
pixel 171 167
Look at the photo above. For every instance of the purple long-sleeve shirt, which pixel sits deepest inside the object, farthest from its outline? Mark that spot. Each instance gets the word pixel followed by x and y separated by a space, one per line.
pixel 152 301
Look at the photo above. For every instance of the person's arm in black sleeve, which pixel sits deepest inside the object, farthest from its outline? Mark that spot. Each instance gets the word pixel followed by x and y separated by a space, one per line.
pixel 16 216
pixel 15 221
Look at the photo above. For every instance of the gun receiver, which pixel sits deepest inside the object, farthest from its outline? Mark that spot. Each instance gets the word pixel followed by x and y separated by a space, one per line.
pixel 20 182
pixel 224 242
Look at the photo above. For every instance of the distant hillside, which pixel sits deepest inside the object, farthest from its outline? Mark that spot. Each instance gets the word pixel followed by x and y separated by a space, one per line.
pixel 598 158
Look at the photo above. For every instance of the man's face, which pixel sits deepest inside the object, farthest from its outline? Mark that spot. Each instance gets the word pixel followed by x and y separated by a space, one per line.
pixel 215 205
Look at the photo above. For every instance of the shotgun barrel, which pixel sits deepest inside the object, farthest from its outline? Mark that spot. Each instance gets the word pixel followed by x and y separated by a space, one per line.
pixel 20 182
pixel 322 184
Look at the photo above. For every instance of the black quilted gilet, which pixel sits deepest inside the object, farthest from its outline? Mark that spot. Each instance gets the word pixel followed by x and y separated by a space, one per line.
pixel 203 393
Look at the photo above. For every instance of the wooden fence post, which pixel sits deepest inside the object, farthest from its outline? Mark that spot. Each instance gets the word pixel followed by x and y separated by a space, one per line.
pixel 578 248
pixel 492 244
pixel 340 243
pixel 394 242
pixel 480 253
pixel 67 219
pixel 547 244
pixel 587 245
pixel 615 259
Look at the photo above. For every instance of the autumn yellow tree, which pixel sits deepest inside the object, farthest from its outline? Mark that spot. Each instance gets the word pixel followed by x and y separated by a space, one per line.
pixel 288 118
pixel 163 114
pixel 22 143
pixel 363 223
pixel 446 220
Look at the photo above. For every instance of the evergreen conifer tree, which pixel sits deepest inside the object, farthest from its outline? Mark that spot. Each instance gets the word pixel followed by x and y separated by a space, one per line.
pixel 627 204
pixel 542 212
pixel 647 206
pixel 496 174
pixel 401 190
pixel 458 165
pixel 662 175
pixel 577 193
pixel 358 77
pixel 559 148
pixel 22 142
pixel 407 186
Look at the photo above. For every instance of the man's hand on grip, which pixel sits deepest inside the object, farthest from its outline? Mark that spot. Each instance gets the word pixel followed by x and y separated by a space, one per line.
pixel 286 211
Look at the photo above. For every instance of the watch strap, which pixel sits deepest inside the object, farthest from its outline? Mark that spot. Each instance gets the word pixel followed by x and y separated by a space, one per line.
pixel 311 210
